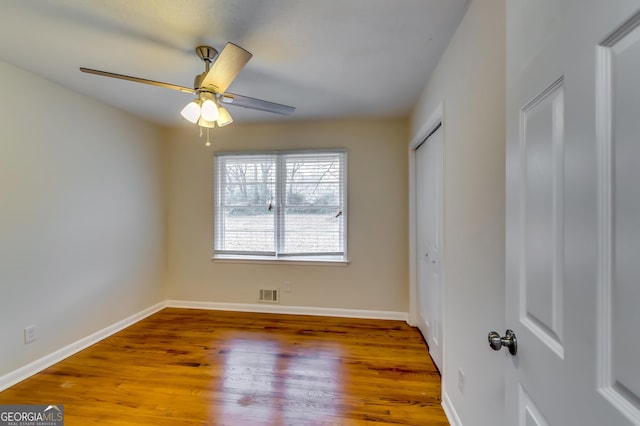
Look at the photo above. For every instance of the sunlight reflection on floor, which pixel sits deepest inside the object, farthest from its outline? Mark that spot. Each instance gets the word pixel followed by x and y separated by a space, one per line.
pixel 268 384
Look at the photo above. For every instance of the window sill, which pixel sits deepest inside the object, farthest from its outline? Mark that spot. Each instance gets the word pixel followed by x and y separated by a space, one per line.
pixel 268 260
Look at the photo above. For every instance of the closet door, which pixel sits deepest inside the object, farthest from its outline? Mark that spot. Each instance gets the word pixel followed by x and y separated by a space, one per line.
pixel 429 242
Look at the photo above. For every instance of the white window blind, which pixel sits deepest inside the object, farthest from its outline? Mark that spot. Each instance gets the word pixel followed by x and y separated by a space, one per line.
pixel 288 204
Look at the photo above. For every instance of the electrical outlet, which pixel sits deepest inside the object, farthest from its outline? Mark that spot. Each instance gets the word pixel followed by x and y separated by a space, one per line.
pixel 30 334
pixel 460 380
pixel 287 287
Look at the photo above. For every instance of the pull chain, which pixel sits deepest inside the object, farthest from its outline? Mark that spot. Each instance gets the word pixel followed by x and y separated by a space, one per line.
pixel 208 142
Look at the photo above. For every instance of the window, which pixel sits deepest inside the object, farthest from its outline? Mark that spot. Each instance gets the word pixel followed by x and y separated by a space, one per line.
pixel 280 205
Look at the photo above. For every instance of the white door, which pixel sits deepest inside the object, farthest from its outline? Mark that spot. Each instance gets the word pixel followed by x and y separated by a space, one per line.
pixel 429 238
pixel 573 212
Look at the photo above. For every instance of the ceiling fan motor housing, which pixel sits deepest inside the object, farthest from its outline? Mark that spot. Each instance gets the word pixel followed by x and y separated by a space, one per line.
pixel 197 82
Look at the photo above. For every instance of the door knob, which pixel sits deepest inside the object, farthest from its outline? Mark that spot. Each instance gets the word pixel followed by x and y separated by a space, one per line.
pixel 509 340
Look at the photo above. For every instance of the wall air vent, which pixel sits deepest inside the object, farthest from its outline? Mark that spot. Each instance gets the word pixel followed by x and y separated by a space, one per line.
pixel 268 296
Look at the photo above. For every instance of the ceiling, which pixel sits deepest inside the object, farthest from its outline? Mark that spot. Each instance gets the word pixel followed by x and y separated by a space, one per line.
pixel 329 58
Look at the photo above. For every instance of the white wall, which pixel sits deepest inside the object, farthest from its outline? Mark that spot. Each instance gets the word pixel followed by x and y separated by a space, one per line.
pixel 376 278
pixel 82 224
pixel 470 80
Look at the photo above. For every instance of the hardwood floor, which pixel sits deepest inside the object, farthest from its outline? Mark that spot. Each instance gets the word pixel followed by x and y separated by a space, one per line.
pixel 196 367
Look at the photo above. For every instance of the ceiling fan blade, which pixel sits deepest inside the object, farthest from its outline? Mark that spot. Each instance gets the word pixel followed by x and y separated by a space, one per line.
pixel 138 80
pixel 253 103
pixel 225 68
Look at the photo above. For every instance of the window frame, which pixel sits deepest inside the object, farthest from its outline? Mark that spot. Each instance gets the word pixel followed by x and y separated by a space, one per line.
pixel 235 256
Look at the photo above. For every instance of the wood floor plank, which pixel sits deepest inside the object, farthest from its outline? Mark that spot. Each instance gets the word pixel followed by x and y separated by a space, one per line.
pixel 196 367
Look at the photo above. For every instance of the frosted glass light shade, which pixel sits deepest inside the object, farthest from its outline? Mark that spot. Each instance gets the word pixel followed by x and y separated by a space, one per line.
pixel 205 123
pixel 224 117
pixel 209 110
pixel 191 112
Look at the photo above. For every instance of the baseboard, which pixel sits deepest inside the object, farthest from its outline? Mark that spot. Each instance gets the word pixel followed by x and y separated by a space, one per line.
pixel 450 411
pixel 46 361
pixel 291 310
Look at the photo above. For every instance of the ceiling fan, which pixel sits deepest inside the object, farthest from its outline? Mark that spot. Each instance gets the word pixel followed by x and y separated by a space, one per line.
pixel 210 86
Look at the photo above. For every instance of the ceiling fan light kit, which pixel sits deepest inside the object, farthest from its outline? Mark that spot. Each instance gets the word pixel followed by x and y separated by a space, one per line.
pixel 210 86
pixel 191 112
pixel 209 110
pixel 206 123
pixel 224 117
pixel 206 111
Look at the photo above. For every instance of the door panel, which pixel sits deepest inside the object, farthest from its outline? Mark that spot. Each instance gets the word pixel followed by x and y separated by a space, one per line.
pixel 619 106
pixel 542 139
pixel 529 414
pixel 573 212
